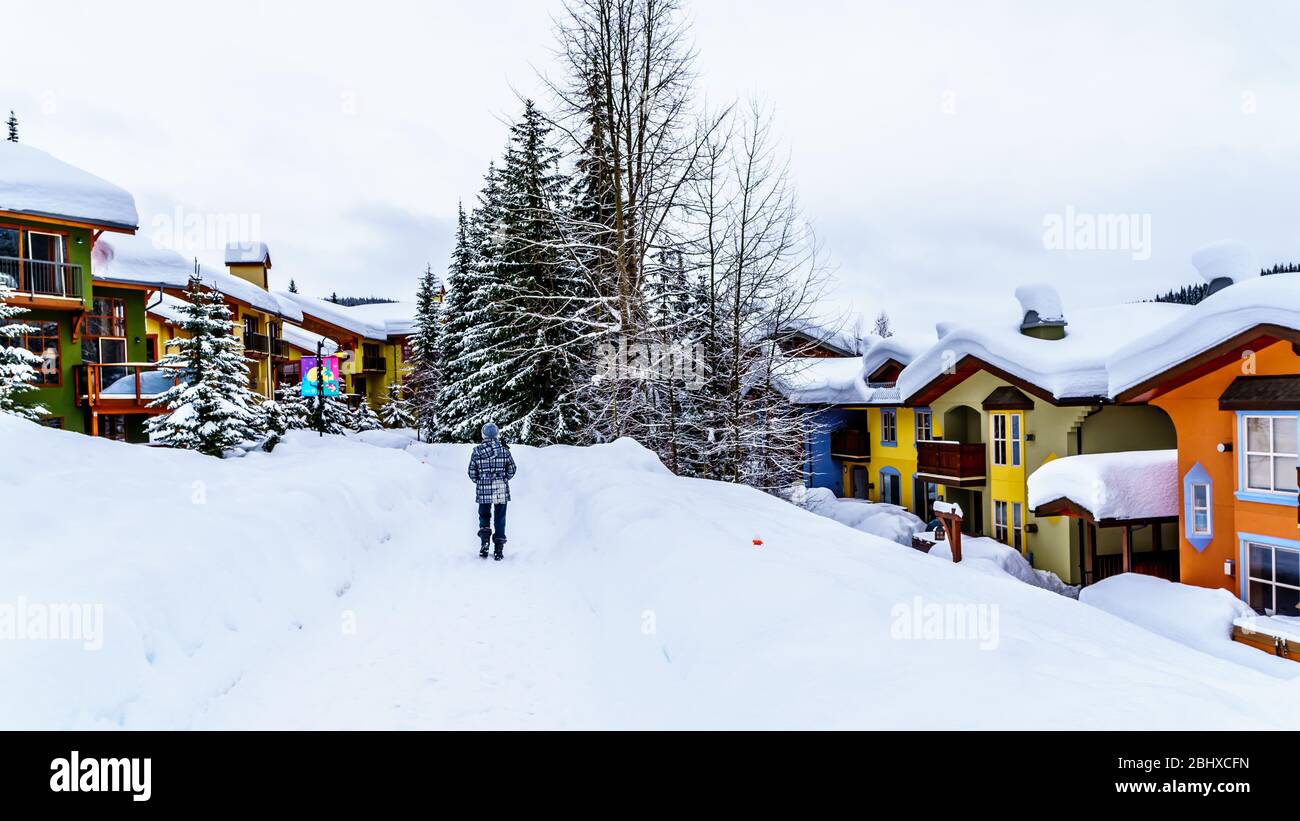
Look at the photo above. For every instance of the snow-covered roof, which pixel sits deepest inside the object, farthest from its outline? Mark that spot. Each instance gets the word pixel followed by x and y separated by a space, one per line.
pixel 832 381
pixel 900 348
pixel 1128 485
pixel 398 318
pixel 169 308
pixel 338 315
pixel 1071 367
pixel 136 260
pixel 1270 300
pixel 248 253
pixel 305 340
pixel 838 338
pixel 33 182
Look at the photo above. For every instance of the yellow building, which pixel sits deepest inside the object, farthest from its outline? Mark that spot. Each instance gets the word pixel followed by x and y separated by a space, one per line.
pixel 372 342
pixel 1004 400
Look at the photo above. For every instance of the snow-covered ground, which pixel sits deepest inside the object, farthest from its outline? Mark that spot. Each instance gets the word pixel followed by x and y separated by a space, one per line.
pixel 877 518
pixel 334 584
pixel 991 557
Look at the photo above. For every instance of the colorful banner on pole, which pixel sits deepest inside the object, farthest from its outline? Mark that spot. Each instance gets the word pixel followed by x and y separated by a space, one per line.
pixel 329 377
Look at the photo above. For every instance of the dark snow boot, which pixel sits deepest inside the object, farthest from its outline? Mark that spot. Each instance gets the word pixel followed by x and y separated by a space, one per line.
pixel 484 536
pixel 500 552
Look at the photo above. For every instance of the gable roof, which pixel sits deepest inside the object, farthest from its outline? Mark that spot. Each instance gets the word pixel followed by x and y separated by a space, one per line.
pixel 1240 317
pixel 1261 393
pixel 1071 369
pixel 37 184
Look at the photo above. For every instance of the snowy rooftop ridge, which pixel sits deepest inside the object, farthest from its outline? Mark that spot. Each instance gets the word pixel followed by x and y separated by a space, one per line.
pixel 901 349
pixel 1270 300
pixel 1073 367
pixel 832 381
pixel 305 340
pixel 137 260
pixel 1128 485
pixel 338 315
pixel 36 183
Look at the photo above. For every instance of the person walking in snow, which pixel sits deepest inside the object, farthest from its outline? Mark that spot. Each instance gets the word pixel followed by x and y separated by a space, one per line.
pixel 492 467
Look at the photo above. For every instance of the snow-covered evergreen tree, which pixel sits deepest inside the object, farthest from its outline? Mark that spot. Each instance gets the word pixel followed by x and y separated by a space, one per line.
pixel 468 310
pixel 17 364
pixel 536 360
pixel 396 412
pixel 293 286
pixel 424 382
pixel 275 423
pixel 365 418
pixel 292 406
pixel 13 127
pixel 211 410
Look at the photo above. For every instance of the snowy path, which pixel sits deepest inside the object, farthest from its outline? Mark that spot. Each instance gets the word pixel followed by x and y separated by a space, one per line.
pixel 443 639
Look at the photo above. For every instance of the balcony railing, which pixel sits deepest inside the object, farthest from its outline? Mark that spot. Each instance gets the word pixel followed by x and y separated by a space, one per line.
pixel 373 363
pixel 123 385
pixel 279 349
pixel 257 343
pixel 951 462
pixel 851 444
pixel 35 277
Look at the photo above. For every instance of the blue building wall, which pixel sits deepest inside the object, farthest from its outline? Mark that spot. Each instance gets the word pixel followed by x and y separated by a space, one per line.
pixel 820 470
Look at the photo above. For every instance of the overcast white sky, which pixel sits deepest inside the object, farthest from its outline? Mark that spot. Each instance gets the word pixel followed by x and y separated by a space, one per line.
pixel 929 140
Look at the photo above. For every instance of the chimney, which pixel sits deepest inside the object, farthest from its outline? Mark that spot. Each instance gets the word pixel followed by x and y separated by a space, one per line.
pixel 250 261
pixel 1044 318
pixel 1224 262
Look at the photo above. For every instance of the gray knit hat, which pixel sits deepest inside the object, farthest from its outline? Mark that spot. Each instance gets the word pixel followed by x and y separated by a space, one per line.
pixel 490 431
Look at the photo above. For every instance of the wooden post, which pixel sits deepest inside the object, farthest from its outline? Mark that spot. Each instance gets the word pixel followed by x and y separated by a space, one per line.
pixel 951 520
pixel 1089 552
pixel 1128 549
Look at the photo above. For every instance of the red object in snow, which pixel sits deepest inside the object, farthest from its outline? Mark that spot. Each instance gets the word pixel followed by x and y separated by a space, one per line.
pixel 758 543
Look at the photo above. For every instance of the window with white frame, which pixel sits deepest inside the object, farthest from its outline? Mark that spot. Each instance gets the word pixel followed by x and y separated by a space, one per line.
pixel 1269 453
pixel 1273 579
pixel 1006 439
pixel 924 426
pixel 1000 521
pixel 1202 525
pixel 888 426
pixel 1017 525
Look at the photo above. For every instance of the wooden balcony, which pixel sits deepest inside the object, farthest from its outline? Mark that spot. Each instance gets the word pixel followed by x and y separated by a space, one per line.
pixel 279 349
pixel 850 443
pixel 127 387
pixel 951 463
pixel 257 343
pixel 375 364
pixel 43 284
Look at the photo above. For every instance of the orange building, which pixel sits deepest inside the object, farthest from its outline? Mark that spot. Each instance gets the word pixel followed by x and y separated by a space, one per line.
pixel 1228 375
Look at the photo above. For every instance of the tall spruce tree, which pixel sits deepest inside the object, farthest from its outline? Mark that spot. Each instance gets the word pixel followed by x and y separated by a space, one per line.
pixel 425 379
pixel 13 128
pixel 293 286
pixel 17 364
pixel 468 309
pixel 532 392
pixel 211 409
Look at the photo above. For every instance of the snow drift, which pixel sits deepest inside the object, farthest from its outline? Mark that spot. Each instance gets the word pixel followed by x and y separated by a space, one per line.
pixel 334 583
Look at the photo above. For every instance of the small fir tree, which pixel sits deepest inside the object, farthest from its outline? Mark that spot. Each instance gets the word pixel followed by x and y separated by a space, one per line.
pixel 396 412
pixel 211 408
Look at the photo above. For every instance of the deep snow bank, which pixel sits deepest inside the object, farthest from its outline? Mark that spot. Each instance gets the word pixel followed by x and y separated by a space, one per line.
pixel 630 598
pixel 1196 616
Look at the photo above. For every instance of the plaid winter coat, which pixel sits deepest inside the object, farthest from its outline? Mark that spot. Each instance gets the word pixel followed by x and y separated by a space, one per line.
pixel 491 467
